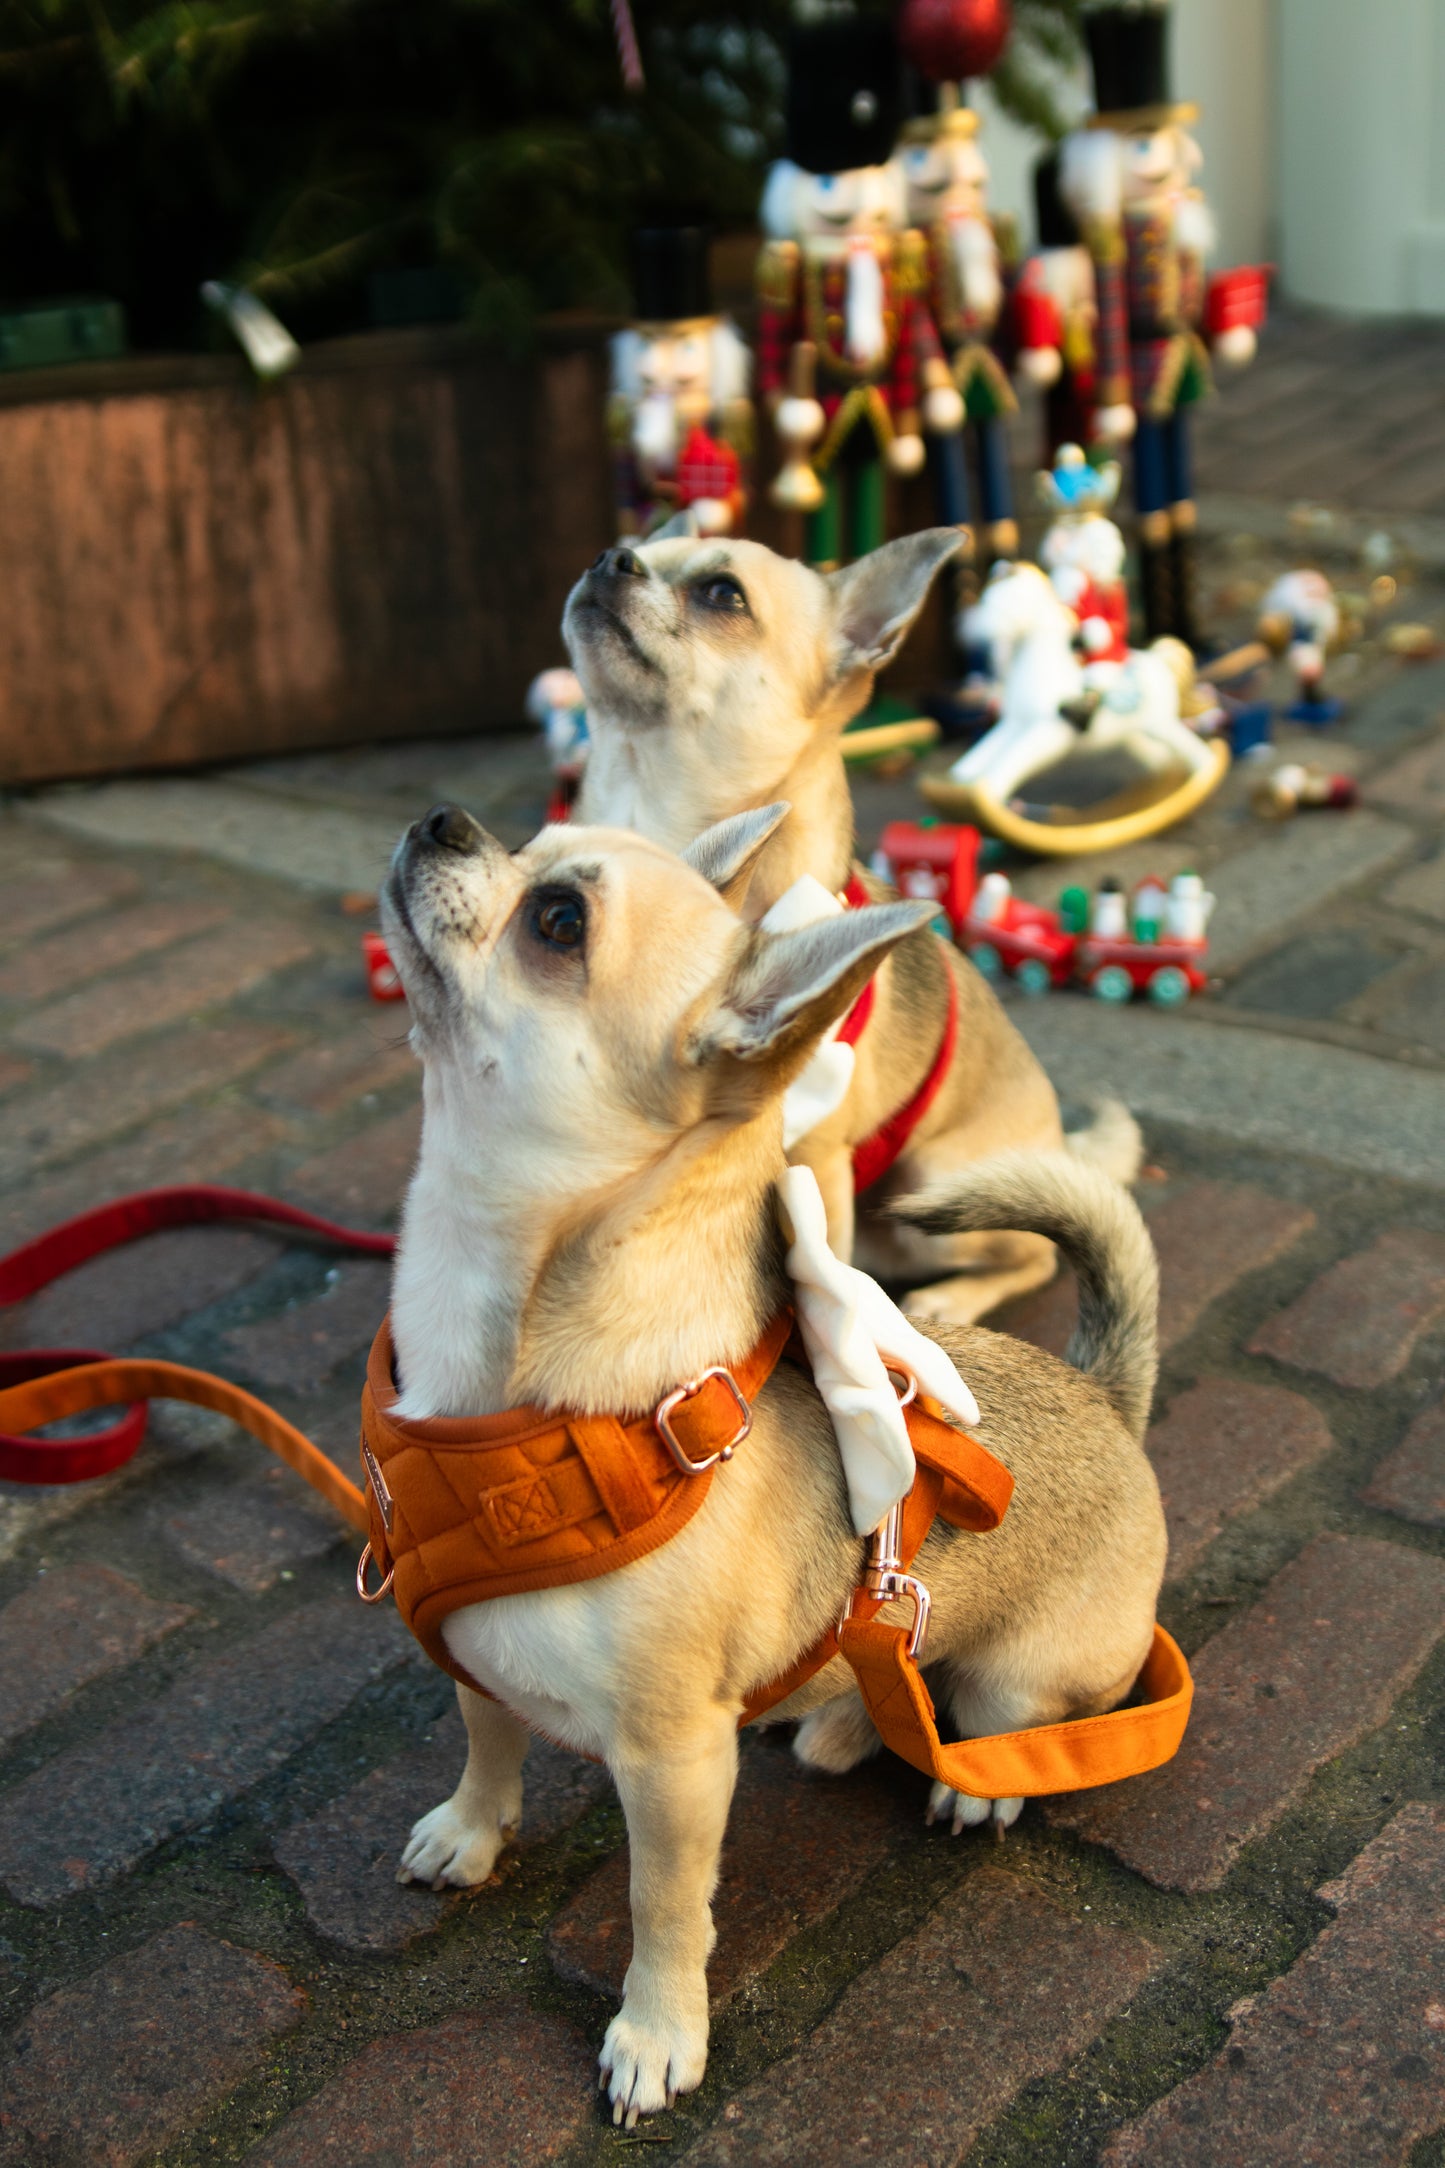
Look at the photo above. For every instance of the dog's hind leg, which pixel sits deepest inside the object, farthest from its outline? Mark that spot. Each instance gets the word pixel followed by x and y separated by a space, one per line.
pixel 675 1792
pixel 457 1844
pixel 837 1736
pixel 999 1268
pixel 1042 1677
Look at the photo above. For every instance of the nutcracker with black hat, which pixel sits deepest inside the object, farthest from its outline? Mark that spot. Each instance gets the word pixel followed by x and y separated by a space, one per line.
pixel 971 255
pixel 848 356
pixel 1131 178
pixel 680 419
pixel 1055 311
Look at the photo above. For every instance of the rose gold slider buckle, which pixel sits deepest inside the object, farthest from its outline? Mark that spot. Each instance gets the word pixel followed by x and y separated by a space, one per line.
pixel 669 1437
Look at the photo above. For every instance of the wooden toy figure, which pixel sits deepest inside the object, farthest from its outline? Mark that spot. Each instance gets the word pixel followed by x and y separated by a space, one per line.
pixel 1083 554
pixel 680 419
pixel 848 356
pixel 947 196
pixel 1056 310
pixel 1130 177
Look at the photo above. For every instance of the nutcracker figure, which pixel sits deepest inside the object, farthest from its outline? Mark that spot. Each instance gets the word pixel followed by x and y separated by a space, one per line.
pixel 1055 311
pixel 969 263
pixel 848 356
pixel 1130 177
pixel 680 418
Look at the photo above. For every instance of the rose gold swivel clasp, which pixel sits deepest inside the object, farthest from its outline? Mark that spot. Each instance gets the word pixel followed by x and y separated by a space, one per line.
pixel 662 1421
pixel 884 1577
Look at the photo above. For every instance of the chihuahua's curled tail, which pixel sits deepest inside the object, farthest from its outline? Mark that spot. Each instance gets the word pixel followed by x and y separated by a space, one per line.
pixel 1101 1232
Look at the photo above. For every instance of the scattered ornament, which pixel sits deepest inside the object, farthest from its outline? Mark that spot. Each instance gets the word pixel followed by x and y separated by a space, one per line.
pixel 1294 788
pixel 382 980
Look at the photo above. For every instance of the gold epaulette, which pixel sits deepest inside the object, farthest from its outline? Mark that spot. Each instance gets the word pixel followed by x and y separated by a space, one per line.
pixel 619 421
pixel 910 262
pixel 777 273
pixel 1006 238
pixel 1104 239
pixel 737 427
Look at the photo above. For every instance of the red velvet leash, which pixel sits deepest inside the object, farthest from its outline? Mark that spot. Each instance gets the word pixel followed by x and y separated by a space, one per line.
pixel 91 1234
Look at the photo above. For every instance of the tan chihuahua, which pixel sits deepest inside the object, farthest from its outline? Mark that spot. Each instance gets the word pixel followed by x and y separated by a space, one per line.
pixel 719 676
pixel 606 1045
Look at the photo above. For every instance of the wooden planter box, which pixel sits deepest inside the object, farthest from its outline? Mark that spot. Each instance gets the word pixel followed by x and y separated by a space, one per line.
pixel 194 568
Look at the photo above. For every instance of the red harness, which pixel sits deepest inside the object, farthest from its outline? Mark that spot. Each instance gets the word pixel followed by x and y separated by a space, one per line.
pixel 876 1154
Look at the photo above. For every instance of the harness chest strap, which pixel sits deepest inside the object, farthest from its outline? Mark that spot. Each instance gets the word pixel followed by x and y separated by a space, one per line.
pixel 697 1426
pixel 464 1511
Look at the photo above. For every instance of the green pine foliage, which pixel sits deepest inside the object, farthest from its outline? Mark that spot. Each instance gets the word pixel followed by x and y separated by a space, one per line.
pixel 301 145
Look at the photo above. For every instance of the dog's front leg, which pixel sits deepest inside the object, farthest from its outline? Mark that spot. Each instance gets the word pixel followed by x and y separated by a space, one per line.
pixel 458 1842
pixel 676 1798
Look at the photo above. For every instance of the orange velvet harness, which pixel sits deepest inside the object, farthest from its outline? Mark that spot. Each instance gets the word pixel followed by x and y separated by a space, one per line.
pixel 465 1510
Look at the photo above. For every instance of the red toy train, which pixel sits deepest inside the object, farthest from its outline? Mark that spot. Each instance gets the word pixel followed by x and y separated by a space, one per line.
pixel 1152 942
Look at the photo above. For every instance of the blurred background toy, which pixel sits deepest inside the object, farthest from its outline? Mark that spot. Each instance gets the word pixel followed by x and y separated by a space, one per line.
pixel 932 859
pixel 1296 787
pixel 1130 178
pixel 1083 554
pixel 1008 938
pixel 1300 619
pixel 849 362
pixel 971 259
pixel 1055 309
pixel 555 702
pixel 680 418
pixel 1154 944
pixel 382 981
pixel 1049 711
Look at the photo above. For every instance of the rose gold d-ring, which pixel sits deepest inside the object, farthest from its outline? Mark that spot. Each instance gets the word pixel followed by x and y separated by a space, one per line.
pixel 372 1595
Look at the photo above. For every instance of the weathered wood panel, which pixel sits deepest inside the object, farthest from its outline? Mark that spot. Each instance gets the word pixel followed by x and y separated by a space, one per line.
pixel 194 568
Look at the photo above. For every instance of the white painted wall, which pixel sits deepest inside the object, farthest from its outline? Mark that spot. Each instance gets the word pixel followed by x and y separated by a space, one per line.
pixel 1361 164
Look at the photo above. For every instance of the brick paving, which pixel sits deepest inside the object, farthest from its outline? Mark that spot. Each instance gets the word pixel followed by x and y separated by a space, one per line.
pixel 210 1757
pixel 1343 2058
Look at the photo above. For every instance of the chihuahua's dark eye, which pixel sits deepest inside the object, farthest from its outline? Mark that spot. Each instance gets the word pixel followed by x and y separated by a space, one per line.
pixel 721 593
pixel 559 919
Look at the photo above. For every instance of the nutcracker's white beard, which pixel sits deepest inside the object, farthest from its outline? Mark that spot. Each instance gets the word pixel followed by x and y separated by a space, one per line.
pixel 975 263
pixel 864 339
pixel 654 430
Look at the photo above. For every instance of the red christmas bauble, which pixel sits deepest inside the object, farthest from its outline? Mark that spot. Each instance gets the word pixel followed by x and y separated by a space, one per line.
pixel 948 40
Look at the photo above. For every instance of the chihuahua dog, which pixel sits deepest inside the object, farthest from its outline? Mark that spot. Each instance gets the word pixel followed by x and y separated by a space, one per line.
pixel 719 677
pixel 606 1044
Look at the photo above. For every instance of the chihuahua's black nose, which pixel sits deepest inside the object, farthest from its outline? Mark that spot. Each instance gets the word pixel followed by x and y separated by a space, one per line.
pixel 622 564
pixel 450 828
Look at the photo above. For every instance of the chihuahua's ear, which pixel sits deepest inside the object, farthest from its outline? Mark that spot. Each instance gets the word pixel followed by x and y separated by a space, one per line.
pixel 726 854
pixel 787 988
pixel 876 600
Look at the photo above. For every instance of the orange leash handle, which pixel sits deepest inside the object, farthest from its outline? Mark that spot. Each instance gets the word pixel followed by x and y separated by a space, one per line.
pixel 1069 1757
pixel 105 1384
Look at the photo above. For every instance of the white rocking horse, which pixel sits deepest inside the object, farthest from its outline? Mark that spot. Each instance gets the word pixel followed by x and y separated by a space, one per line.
pixel 1052 706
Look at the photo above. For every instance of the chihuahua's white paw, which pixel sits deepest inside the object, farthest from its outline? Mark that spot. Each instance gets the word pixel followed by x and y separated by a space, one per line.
pixel 449 1850
pixel 645 2066
pixel 963 1811
pixel 836 1737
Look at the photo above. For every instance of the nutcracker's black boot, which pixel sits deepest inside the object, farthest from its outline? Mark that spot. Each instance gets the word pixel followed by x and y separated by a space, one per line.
pixel 1184 574
pixel 1156 582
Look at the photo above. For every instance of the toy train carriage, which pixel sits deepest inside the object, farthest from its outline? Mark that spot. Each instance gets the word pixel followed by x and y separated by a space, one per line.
pixel 1167 971
pixel 1019 940
pixel 935 860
